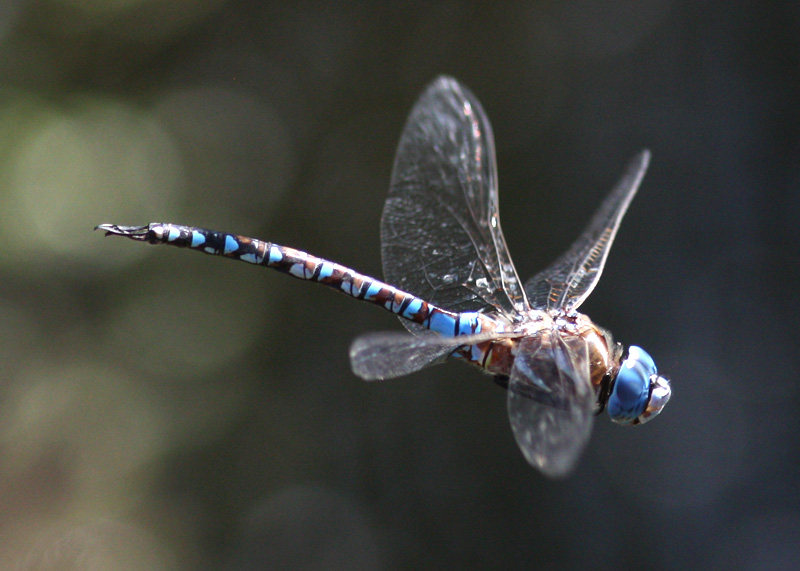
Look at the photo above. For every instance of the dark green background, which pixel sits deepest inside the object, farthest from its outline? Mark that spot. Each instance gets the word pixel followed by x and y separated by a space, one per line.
pixel 165 410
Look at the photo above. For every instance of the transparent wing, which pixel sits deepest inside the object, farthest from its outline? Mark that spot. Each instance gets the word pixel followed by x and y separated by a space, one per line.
pixel 572 277
pixel 378 356
pixel 551 402
pixel 440 231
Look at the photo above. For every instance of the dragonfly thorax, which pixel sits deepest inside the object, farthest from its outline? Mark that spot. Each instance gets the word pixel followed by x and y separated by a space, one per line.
pixel 575 330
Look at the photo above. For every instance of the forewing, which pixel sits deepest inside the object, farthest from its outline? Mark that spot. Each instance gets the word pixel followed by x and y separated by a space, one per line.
pixel 378 356
pixel 440 231
pixel 551 402
pixel 572 277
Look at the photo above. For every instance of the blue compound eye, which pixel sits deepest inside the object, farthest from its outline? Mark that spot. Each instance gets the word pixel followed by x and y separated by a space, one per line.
pixel 638 354
pixel 631 392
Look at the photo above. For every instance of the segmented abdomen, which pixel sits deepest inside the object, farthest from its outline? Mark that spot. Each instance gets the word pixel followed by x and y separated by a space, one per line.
pixel 305 266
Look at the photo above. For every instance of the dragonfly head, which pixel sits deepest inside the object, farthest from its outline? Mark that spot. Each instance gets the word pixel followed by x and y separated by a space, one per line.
pixel 639 392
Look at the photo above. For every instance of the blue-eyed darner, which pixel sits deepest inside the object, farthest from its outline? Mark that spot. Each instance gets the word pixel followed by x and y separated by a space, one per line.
pixel 458 293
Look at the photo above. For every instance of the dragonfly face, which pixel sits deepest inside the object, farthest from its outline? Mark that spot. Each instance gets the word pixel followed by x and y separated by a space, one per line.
pixel 638 392
pixel 450 279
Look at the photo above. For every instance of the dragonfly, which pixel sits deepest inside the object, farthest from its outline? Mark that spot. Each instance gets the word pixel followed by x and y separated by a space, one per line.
pixel 450 279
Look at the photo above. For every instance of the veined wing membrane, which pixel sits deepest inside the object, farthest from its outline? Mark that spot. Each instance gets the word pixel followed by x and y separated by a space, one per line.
pixel 551 401
pixel 567 282
pixel 378 356
pixel 440 231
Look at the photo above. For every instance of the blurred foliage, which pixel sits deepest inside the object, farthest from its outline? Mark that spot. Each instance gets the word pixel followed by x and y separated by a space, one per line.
pixel 160 410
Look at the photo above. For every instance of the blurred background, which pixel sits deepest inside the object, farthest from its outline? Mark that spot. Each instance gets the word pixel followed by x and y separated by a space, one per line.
pixel 165 410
